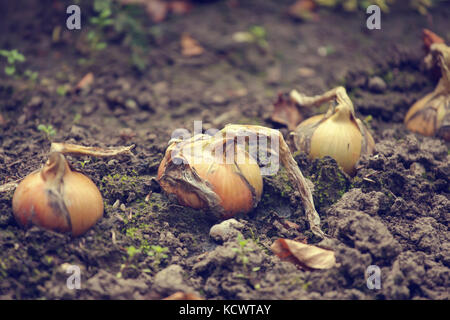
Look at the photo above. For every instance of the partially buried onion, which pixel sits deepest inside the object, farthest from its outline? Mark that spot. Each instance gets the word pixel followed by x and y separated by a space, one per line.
pixel 222 173
pixel 198 173
pixel 430 116
pixel 338 133
pixel 58 198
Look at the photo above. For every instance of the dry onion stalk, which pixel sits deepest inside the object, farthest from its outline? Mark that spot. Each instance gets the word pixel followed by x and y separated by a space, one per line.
pixel 337 133
pixel 430 116
pixel 193 171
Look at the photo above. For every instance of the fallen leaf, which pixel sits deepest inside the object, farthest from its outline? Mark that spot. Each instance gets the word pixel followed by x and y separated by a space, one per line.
pixel 304 255
pixel 180 7
pixel 183 296
pixel 157 9
pixel 290 225
pixel 303 9
pixel 85 82
pixel 286 112
pixel 189 46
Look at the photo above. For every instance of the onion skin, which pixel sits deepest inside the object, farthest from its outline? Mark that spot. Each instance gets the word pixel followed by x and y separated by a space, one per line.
pixel 206 182
pixel 57 198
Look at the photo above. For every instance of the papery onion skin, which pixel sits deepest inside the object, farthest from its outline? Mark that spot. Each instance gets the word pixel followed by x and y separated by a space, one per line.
pixel 235 188
pixel 57 198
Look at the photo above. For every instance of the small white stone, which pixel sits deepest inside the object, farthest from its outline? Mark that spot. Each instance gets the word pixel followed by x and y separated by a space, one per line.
pixel 225 230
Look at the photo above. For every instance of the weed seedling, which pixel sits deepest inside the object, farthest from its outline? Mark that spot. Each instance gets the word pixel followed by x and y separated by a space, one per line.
pixel 12 56
pixel 83 163
pixel 48 130
pixel 243 250
pixel 131 254
pixel 158 254
pixel 100 22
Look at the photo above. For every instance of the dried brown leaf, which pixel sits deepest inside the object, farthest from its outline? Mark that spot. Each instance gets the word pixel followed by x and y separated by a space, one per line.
pixel 180 7
pixel 183 296
pixel 159 9
pixel 286 112
pixel 85 82
pixel 290 225
pixel 303 9
pixel 304 255
pixel 189 46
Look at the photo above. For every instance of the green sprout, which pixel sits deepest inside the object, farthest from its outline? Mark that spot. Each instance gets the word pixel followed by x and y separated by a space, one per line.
pixel 62 89
pixel 47 129
pixel 158 254
pixel 259 35
pixel 12 56
pixel 100 22
pixel 131 255
pixel 77 118
pixel 32 75
pixel 255 34
pixel 83 163
pixel 243 250
pixel 421 6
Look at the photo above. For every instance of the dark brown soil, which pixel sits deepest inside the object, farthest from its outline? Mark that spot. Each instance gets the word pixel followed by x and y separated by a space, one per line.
pixel 394 213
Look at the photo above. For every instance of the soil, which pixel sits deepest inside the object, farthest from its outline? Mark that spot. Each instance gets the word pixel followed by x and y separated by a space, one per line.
pixel 393 214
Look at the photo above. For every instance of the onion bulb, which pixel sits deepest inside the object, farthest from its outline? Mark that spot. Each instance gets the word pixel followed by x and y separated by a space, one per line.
pixel 217 173
pixel 338 133
pixel 204 173
pixel 430 116
pixel 57 198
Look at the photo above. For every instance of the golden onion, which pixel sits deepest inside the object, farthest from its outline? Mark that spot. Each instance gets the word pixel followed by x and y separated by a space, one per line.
pixel 58 198
pixel 201 177
pixel 195 171
pixel 430 116
pixel 338 133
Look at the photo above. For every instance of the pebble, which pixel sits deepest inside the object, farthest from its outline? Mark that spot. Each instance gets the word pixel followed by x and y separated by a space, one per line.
pixel 376 84
pixel 417 169
pixel 306 72
pixel 170 280
pixel 225 230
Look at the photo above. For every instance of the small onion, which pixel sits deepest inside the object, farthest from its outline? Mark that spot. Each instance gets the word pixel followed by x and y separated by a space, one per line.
pixel 338 134
pixel 57 198
pixel 200 177
pixel 430 116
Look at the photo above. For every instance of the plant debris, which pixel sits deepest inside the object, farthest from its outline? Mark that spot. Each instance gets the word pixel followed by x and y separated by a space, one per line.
pixel 306 256
pixel 286 112
pixel 190 47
